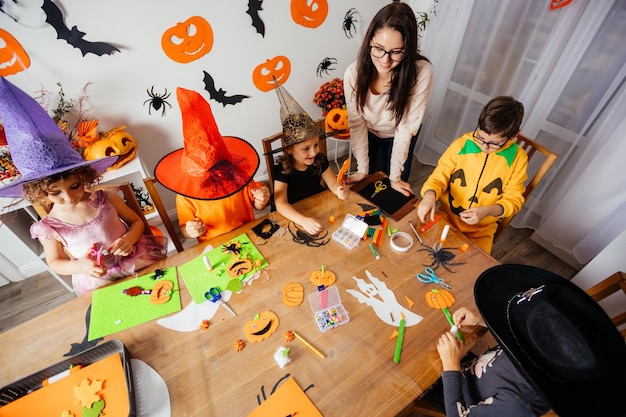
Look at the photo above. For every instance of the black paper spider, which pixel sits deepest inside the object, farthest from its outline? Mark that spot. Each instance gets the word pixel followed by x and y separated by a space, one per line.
pixel 349 21
pixel 440 257
pixel 325 66
pixel 158 274
pixel 157 101
pixel 234 248
pixel 300 236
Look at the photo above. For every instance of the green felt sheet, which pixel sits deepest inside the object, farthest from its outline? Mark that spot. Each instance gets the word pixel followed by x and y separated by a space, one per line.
pixel 113 311
pixel 199 279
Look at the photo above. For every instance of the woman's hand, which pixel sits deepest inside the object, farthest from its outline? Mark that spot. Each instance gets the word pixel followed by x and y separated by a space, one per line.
pixel 195 228
pixel 450 351
pixel 355 177
pixel 402 187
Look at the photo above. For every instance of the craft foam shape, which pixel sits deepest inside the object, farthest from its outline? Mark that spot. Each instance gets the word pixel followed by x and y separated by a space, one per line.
pixel 151 394
pixel 288 399
pixel 383 301
pixel 189 318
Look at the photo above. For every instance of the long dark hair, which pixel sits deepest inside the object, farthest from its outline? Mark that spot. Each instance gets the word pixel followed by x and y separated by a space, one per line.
pixel 398 16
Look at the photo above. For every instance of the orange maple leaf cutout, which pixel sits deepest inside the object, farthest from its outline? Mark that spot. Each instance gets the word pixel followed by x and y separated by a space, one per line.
pixel 87 391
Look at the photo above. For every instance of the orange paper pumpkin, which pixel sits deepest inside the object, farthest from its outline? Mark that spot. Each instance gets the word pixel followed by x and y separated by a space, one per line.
pixel 261 327
pixel 309 15
pixel 114 142
pixel 439 298
pixel 188 41
pixel 272 71
pixel 161 292
pixel 239 267
pixel 323 277
pixel 293 294
pixel 337 119
pixel 13 57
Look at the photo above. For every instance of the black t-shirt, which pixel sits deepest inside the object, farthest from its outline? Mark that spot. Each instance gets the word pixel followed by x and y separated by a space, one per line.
pixel 303 184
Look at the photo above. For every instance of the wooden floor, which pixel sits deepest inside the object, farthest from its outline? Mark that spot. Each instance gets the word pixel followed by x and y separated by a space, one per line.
pixel 22 301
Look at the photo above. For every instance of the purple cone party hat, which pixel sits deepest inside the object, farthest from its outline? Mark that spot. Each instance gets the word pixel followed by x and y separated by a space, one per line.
pixel 38 147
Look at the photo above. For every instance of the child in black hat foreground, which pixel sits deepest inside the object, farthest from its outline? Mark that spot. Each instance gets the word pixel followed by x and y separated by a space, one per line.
pixel 558 349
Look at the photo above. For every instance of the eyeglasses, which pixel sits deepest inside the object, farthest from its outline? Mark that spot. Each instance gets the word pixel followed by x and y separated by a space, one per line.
pixel 496 145
pixel 394 56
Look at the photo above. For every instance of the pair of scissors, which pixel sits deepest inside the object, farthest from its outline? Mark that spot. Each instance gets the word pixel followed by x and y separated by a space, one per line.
pixel 378 187
pixel 215 295
pixel 432 278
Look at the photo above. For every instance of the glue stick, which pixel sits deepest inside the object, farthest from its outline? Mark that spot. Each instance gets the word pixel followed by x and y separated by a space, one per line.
pixel 444 234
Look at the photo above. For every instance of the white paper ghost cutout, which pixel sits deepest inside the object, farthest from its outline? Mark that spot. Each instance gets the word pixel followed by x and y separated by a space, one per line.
pixel 383 301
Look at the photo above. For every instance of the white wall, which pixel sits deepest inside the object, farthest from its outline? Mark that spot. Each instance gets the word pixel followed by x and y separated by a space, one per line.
pixel 119 81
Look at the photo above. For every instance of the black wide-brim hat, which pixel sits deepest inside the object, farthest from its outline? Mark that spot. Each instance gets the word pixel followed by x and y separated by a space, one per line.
pixel 558 337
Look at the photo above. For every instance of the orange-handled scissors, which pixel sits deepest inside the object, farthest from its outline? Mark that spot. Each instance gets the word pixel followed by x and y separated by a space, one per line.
pixel 378 187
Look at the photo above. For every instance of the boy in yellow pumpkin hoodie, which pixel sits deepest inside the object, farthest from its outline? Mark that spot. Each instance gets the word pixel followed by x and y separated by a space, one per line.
pixel 480 177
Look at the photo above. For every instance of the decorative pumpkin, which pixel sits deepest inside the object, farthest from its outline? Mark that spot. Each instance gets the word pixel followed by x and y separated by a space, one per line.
pixel 188 41
pixel 13 57
pixel 293 294
pixel 323 277
pixel 309 15
pixel 239 267
pixel 114 142
pixel 277 69
pixel 161 292
pixel 337 119
pixel 439 298
pixel 261 327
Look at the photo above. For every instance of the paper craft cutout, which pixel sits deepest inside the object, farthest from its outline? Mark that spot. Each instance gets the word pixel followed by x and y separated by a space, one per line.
pixel 191 316
pixel 238 345
pixel 349 20
pixel 309 14
pixel 262 326
pixel 287 400
pixel 199 280
pixel 302 237
pixel 73 36
pixel 87 392
pixel 394 204
pixel 156 101
pixel 152 398
pixel 293 294
pixel 220 95
pixel 113 311
pixel 188 41
pixel 383 301
pixel 254 6
pixel 58 397
pixel 440 257
pixel 265 229
pixel 15 58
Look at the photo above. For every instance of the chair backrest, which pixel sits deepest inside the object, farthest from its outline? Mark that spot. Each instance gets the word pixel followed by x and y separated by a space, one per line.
pixel 274 142
pixel 609 286
pixel 158 204
pixel 531 147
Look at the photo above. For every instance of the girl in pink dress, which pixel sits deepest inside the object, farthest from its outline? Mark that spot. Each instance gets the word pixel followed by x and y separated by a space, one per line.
pixel 101 234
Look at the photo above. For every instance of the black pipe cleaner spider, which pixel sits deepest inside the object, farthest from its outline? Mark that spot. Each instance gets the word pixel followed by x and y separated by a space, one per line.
pixel 325 66
pixel 349 21
pixel 300 236
pixel 157 101
pixel 440 257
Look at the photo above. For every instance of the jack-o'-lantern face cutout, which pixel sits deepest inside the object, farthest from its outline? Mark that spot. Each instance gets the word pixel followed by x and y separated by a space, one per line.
pixel 188 41
pixel 114 142
pixel 13 57
pixel 261 327
pixel 309 13
pixel 239 267
pixel 272 71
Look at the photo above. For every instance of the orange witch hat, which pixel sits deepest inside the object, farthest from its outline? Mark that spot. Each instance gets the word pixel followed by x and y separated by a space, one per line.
pixel 209 166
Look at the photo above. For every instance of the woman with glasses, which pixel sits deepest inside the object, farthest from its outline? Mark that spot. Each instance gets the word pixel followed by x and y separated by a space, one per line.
pixel 387 90
pixel 480 177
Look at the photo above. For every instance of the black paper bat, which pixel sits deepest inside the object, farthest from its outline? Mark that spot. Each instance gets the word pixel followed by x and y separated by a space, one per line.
pixel 73 36
pixel 220 95
pixel 253 10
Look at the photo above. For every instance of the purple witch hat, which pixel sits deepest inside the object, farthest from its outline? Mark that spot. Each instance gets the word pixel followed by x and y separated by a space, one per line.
pixel 38 147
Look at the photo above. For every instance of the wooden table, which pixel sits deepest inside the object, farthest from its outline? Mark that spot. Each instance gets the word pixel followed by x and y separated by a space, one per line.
pixel 206 376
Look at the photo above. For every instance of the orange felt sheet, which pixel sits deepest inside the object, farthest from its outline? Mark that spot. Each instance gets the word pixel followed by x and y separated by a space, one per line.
pixel 287 400
pixel 54 399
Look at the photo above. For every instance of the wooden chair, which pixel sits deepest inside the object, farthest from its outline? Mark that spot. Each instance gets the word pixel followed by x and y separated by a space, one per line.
pixel 609 286
pixel 165 218
pixel 274 142
pixel 531 147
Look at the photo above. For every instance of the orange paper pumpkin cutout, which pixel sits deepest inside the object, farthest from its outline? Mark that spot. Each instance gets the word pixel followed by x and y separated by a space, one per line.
pixel 309 15
pixel 114 142
pixel 439 298
pixel 293 294
pixel 239 267
pixel 13 57
pixel 323 277
pixel 161 292
pixel 261 327
pixel 272 71
pixel 336 120
pixel 188 41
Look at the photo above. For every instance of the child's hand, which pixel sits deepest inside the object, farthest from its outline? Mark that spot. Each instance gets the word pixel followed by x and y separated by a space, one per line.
pixel 450 351
pixel 312 226
pixel 195 227
pixel 121 246
pixel 88 265
pixel 261 197
pixel 342 192
pixel 355 177
pixel 466 317
pixel 474 215
pixel 426 207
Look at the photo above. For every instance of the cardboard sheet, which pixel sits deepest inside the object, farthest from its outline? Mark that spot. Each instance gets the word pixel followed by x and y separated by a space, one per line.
pixel 113 311
pixel 288 399
pixel 52 400
pixel 392 203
